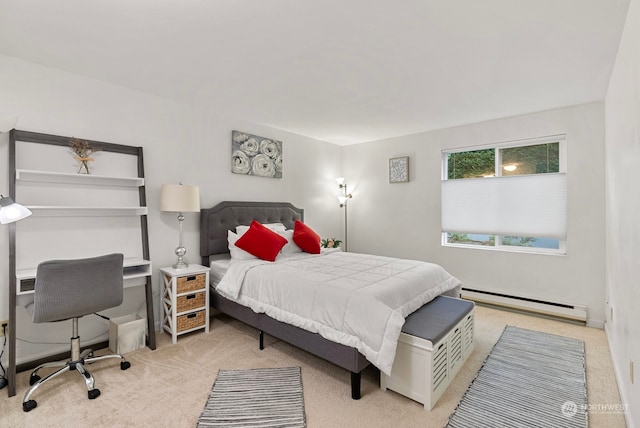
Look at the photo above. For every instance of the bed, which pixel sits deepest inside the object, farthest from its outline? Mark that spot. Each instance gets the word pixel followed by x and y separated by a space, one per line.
pixel 215 223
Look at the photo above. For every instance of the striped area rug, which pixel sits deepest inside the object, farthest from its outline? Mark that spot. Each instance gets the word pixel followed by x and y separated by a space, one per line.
pixel 530 379
pixel 270 397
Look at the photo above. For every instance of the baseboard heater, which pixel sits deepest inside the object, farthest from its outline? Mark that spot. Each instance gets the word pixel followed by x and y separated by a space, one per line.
pixel 560 310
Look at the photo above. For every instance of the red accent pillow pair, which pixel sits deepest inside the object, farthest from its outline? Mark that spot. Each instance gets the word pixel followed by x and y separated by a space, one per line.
pixel 266 244
pixel 261 242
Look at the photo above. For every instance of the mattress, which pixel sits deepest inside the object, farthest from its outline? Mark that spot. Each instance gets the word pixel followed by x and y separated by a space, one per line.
pixel 218 269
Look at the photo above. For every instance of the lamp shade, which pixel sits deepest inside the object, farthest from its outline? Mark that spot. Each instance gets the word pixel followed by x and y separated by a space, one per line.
pixel 10 211
pixel 179 198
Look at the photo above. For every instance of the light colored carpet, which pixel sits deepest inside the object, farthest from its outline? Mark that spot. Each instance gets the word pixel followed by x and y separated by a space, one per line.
pixel 168 387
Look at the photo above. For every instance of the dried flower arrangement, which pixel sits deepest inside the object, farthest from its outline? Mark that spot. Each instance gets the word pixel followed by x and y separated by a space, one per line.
pixel 83 152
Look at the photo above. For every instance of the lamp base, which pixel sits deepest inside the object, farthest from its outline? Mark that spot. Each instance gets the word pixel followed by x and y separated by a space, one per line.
pixel 181 263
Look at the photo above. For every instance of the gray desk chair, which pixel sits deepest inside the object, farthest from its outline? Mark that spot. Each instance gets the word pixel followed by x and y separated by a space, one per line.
pixel 69 289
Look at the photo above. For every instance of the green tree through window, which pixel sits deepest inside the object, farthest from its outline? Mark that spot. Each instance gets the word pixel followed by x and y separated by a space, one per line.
pixel 537 159
pixel 477 163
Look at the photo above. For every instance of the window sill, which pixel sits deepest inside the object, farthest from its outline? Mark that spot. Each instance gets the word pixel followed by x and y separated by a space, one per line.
pixel 507 249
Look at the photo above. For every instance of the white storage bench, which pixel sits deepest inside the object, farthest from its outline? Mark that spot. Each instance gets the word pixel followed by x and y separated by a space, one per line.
pixel 435 342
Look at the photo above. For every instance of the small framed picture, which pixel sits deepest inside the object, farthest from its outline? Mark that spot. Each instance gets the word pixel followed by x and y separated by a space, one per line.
pixel 399 170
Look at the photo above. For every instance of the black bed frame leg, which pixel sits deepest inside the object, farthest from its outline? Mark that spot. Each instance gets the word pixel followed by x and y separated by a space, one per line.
pixel 355 385
pixel 261 340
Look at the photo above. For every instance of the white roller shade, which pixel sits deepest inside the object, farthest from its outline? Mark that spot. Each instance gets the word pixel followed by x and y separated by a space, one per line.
pixel 525 205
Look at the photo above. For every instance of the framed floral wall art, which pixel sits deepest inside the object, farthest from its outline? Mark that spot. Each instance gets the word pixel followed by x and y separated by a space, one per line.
pixel 399 170
pixel 254 155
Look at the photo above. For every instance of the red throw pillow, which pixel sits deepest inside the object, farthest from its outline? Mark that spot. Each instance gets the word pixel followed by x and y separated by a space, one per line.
pixel 306 238
pixel 261 242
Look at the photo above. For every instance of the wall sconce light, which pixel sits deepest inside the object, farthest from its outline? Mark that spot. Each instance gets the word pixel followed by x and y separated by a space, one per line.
pixel 342 199
pixel 11 211
pixel 179 198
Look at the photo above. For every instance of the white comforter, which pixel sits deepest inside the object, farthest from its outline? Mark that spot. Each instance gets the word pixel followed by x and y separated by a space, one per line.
pixel 357 300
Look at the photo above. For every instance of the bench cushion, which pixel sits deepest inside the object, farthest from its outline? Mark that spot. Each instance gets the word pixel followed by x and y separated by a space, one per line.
pixel 435 319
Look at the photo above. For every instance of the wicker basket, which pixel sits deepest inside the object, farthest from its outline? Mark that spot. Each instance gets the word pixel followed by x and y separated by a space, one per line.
pixel 189 321
pixel 190 301
pixel 191 283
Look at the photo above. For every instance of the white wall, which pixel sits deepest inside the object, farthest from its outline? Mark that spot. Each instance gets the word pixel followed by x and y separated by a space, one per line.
pixel 622 115
pixel 180 144
pixel 403 219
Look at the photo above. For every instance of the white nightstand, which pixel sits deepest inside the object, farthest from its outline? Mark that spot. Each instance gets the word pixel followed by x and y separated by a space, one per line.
pixel 184 300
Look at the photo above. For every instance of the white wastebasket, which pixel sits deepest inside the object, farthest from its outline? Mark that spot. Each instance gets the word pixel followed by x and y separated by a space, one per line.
pixel 126 333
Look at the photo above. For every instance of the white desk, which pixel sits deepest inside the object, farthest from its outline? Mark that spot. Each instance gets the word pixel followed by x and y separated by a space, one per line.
pixel 132 268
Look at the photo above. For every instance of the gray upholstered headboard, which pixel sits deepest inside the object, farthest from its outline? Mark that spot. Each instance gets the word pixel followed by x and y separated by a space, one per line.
pixel 216 221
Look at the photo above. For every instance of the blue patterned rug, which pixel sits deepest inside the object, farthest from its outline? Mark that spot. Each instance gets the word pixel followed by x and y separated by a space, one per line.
pixel 530 379
pixel 270 397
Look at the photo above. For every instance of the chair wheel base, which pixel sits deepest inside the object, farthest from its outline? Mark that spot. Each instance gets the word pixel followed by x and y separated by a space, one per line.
pixel 125 365
pixel 94 393
pixel 28 406
pixel 33 379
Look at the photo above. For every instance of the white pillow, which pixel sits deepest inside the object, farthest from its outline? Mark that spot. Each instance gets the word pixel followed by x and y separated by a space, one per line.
pixel 276 227
pixel 291 246
pixel 237 253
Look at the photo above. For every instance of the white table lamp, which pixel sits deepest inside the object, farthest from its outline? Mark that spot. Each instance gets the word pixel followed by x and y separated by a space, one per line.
pixel 180 199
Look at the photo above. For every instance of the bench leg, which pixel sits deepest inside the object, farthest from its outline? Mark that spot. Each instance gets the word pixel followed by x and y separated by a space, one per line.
pixel 355 385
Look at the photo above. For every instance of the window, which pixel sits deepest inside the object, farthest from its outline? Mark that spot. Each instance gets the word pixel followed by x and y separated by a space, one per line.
pixel 511 196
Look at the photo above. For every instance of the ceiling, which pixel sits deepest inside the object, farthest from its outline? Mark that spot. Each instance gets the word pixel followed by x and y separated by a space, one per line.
pixel 342 71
